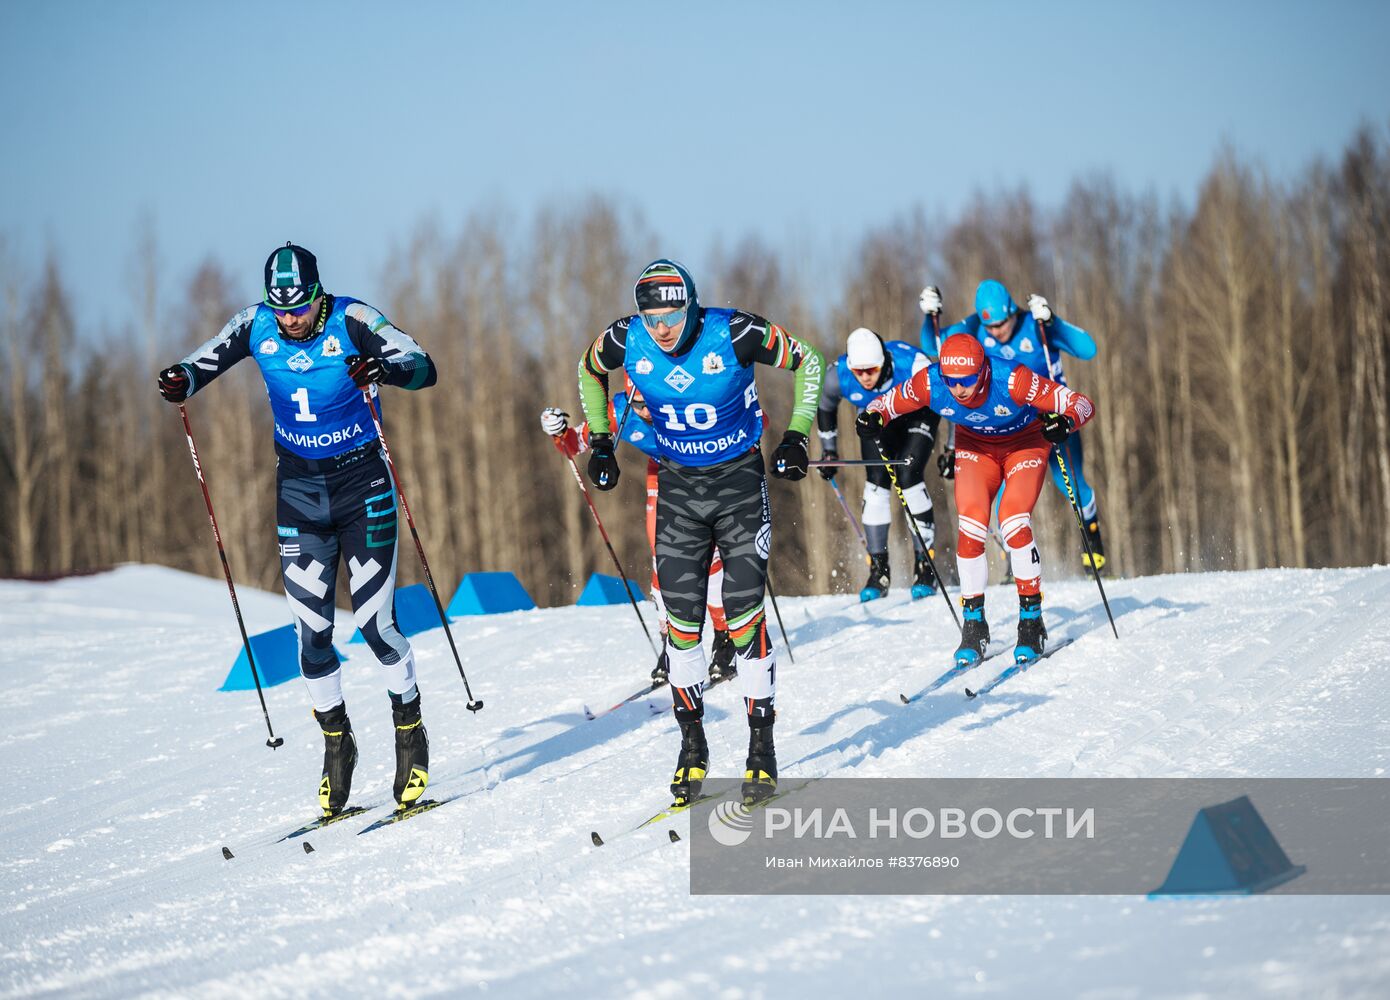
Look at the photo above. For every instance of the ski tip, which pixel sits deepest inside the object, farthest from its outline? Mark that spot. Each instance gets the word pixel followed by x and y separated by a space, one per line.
pixel 589 714
pixel 970 694
pixel 675 837
pixel 308 847
pixel 227 854
pixel 905 699
pixel 598 841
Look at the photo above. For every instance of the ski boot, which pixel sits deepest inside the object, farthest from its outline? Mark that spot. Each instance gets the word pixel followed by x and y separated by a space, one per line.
pixel 923 579
pixel 1097 546
pixel 691 765
pixel 877 586
pixel 760 774
pixel 662 671
pixel 722 660
pixel 974 635
pixel 412 754
pixel 339 759
pixel 1032 633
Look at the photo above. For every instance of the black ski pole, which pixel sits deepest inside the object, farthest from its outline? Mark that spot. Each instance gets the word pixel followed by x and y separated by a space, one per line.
pixel 778 611
pixel 844 506
pixel 474 704
pixel 274 741
pixel 622 574
pixel 921 542
pixel 1071 495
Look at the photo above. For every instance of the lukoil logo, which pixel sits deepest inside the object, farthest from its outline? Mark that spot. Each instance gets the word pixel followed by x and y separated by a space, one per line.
pixel 730 823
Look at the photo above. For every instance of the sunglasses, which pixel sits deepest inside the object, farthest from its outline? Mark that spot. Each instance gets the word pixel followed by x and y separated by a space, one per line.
pixel 296 311
pixel 964 382
pixel 671 319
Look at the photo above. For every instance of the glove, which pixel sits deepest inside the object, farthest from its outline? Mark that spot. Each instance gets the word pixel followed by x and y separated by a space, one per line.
pixel 603 464
pixel 946 463
pixel 930 302
pixel 365 369
pixel 827 472
pixel 1056 427
pixel 174 383
pixel 1042 312
pixel 869 424
pixel 790 458
pixel 554 422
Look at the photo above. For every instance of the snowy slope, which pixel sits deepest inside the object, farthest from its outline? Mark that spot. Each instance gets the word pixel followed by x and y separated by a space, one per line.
pixel 126 772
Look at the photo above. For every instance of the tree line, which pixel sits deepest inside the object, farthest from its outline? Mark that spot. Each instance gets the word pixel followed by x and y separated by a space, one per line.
pixel 1242 384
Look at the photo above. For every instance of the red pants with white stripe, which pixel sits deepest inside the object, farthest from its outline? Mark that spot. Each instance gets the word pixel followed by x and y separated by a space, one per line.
pixel 982 465
pixel 716 566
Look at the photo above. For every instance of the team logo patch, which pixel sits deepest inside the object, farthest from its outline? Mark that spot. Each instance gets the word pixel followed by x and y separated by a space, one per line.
pixel 855 397
pixel 1000 410
pixel 1008 352
pixel 713 364
pixel 947 411
pixel 644 366
pixel 331 347
pixel 679 379
pixel 977 418
pixel 1025 344
pixel 269 346
pixel 764 541
pixel 636 435
pixel 300 362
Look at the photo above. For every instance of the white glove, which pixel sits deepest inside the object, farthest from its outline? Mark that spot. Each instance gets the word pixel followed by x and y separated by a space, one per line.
pixel 1042 312
pixel 554 421
pixel 930 302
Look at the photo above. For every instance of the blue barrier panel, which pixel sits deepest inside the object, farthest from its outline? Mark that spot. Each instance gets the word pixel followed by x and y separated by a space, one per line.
pixel 603 589
pixel 277 660
pixel 1228 850
pixel 489 594
pixel 415 611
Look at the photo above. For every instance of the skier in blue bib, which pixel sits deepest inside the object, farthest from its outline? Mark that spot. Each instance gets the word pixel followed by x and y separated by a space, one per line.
pixel 694 367
pixel 318 353
pixel 1027 338
pixel 867 370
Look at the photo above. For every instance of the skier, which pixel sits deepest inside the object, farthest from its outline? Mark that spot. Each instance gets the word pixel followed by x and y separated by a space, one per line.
pixel 1016 336
pixel 694 367
pixel 867 370
pixel 318 353
pixel 573 441
pixel 1007 420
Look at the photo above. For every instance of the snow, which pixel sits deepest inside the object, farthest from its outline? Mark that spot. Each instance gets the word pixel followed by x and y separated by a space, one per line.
pixel 126 772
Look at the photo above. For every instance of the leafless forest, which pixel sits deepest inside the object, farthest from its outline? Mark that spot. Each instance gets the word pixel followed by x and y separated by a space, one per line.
pixel 1242 384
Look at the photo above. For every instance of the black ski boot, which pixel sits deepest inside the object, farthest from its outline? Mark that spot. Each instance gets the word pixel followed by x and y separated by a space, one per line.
pixel 412 754
pixel 1097 546
pixel 923 579
pixel 760 771
pixel 662 671
pixel 339 759
pixel 879 578
pixel 722 666
pixel 692 763
pixel 974 635
pixel 1032 633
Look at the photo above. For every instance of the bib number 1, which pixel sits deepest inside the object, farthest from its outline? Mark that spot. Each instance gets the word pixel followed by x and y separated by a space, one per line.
pixel 700 416
pixel 301 396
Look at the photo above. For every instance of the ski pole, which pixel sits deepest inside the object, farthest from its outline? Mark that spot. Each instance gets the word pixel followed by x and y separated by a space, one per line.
pixel 826 463
pixel 778 611
pixel 274 741
pixel 622 574
pixel 474 704
pixel 1071 496
pixel 844 506
pixel 922 545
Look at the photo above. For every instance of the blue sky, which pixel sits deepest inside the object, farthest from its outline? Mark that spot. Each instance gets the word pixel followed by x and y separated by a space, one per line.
pixel 233 127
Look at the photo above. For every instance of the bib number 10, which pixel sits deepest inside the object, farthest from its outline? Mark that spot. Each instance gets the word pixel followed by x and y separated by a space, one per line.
pixel 700 416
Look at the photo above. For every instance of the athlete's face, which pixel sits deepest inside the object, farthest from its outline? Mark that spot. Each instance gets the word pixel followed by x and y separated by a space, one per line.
pixel 657 322
pixel 1003 331
pixel 868 377
pixel 298 324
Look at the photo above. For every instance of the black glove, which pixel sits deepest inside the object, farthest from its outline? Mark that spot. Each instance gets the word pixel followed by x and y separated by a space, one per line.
pixel 946 463
pixel 790 457
pixel 365 370
pixel 174 383
pixel 1056 427
pixel 827 472
pixel 603 464
pixel 869 424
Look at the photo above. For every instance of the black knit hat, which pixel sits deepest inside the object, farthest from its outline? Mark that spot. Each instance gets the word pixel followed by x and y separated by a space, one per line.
pixel 291 278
